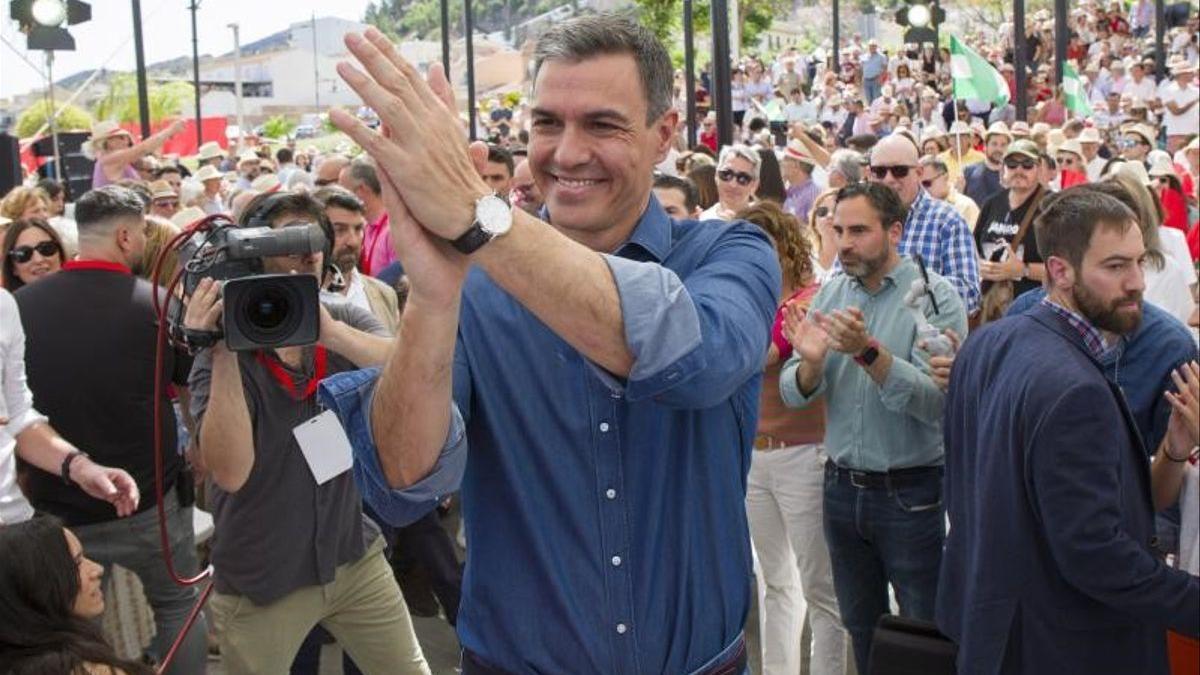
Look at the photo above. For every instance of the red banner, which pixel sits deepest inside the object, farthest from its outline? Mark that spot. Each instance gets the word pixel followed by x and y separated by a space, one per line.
pixel 182 144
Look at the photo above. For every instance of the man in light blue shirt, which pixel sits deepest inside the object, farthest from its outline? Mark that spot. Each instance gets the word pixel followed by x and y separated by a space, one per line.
pixel 858 349
pixel 874 65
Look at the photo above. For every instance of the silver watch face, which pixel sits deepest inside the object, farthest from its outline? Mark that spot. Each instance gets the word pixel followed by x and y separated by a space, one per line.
pixel 494 215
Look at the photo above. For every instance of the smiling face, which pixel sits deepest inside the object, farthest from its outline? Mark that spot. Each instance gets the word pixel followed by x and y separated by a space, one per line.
pixel 591 152
pixel 733 188
pixel 42 256
pixel 89 603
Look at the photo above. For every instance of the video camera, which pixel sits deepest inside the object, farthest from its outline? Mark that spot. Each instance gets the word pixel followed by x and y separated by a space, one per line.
pixel 261 310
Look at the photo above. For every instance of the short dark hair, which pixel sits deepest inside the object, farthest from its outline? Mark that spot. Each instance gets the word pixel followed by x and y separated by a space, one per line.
pixel 267 207
pixel 593 35
pixel 691 197
pixel 284 155
pixel 98 208
pixel 882 198
pixel 339 197
pixel 499 155
pixel 169 168
pixel 362 171
pixel 1067 221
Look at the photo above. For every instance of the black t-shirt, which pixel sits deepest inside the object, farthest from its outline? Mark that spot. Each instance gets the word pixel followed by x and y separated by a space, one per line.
pixel 90 337
pixel 995 229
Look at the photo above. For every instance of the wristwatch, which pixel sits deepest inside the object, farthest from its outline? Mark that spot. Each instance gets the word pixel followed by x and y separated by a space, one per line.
pixel 867 356
pixel 493 218
pixel 65 471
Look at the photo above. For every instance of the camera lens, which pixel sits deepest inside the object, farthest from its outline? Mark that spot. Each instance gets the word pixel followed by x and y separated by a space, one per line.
pixel 270 310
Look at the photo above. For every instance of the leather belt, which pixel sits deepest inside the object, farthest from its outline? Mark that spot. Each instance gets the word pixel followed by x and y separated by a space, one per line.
pixel 882 479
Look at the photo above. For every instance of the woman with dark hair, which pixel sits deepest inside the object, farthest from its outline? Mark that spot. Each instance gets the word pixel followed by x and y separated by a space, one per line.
pixel 49 596
pixel 770 178
pixel 32 251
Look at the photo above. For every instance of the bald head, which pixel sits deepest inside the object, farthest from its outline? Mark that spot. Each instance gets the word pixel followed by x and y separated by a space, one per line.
pixel 898 155
pixel 330 167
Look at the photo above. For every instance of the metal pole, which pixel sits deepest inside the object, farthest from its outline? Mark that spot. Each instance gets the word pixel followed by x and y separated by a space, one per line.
pixel 446 38
pixel 58 172
pixel 837 39
pixel 735 30
pixel 316 68
pixel 196 72
pixel 469 36
pixel 689 71
pixel 722 98
pixel 1160 39
pixel 1019 53
pixel 237 83
pixel 143 95
pixel 1060 40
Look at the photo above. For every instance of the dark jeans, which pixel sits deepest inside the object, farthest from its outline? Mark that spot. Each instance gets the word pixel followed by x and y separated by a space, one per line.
pixel 889 534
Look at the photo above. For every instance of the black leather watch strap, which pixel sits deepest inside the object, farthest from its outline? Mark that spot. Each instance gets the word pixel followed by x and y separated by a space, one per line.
pixel 471 240
pixel 66 465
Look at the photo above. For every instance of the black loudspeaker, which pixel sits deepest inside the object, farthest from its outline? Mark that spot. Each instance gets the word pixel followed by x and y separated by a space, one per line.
pixel 10 164
pixel 77 168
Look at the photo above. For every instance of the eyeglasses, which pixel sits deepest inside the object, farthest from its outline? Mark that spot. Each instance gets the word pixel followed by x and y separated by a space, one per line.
pixel 1066 161
pixel 23 254
pixel 165 203
pixel 322 182
pixel 928 182
pixel 1026 164
pixel 822 211
pixel 742 177
pixel 898 171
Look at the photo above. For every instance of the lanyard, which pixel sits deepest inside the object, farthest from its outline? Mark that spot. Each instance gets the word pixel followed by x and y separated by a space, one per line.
pixel 284 378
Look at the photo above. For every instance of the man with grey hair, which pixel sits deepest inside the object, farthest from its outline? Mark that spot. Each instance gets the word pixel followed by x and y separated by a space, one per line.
pixel 100 392
pixel 603 368
pixel 737 181
pixel 845 168
pixel 378 252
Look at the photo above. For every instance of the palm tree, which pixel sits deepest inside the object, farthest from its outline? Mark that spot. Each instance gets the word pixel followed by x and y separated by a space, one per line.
pixel 167 100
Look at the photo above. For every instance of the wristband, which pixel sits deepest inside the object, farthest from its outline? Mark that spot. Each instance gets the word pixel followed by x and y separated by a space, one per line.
pixel 66 465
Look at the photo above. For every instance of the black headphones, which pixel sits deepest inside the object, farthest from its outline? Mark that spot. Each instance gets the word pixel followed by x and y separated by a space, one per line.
pixel 258 217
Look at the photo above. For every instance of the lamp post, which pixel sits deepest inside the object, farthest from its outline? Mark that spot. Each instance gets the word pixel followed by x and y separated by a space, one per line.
pixel 193 6
pixel 237 82
pixel 140 56
pixel 469 36
pixel 689 71
pixel 721 95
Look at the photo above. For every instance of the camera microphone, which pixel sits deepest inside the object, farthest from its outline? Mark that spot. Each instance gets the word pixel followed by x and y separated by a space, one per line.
pixel 265 242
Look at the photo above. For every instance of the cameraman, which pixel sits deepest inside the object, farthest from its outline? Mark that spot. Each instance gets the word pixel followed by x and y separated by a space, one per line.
pixel 290 553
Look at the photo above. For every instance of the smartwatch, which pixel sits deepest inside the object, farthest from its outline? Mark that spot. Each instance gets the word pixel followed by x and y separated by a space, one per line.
pixel 867 356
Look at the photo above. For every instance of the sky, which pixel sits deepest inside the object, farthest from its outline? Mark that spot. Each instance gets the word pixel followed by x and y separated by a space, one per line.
pixel 166 33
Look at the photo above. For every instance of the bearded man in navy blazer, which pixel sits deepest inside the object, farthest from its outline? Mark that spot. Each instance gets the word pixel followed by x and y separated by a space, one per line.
pixel 1049 565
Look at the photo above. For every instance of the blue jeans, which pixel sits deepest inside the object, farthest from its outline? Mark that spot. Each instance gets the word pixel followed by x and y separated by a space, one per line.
pixel 871 89
pixel 879 536
pixel 133 543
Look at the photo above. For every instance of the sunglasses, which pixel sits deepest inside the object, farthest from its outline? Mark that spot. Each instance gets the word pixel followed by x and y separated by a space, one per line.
pixel 822 211
pixel 742 177
pixel 1066 160
pixel 166 203
pixel 899 171
pixel 1026 164
pixel 928 182
pixel 23 254
pixel 322 182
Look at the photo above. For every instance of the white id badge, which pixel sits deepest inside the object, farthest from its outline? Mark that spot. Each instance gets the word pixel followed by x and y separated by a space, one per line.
pixel 325 446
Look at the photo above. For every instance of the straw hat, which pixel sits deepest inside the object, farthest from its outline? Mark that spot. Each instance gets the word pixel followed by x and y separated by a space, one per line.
pixel 1019 129
pixel 210 150
pixel 247 156
pixel 1072 146
pixel 268 182
pixel 1089 135
pixel 187 216
pixel 207 173
pixel 1134 170
pixel 999 129
pixel 1161 166
pixel 959 128
pixel 102 131
pixel 1143 131
pixel 160 189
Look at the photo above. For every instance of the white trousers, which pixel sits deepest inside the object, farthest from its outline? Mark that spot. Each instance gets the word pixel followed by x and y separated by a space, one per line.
pixel 784 498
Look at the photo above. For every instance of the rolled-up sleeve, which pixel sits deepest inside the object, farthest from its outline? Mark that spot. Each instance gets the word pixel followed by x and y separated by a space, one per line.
pixel 789 388
pixel 349 395
pixel 709 331
pixel 17 404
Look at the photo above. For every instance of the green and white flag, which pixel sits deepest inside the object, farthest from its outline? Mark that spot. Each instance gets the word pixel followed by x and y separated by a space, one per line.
pixel 974 77
pixel 1073 91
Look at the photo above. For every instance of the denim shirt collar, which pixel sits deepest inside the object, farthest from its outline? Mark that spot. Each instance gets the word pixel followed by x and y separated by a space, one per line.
pixel 652 234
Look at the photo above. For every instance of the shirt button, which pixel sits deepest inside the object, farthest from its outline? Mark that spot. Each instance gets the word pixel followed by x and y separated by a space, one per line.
pixel 604 427
pixel 610 493
pixel 616 561
pixel 621 628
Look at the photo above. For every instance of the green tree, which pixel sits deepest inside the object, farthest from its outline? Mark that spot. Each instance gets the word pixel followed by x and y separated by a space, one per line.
pixel 278 127
pixel 72 118
pixel 663 17
pixel 166 100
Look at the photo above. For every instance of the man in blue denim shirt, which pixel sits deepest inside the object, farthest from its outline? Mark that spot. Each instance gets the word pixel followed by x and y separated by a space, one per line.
pixel 604 370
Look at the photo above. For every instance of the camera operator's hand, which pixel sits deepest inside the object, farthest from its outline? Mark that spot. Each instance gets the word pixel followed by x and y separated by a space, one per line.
pixel 424 155
pixel 204 307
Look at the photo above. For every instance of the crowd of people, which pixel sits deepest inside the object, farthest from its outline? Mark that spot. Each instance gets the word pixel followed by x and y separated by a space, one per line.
pixel 887 352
